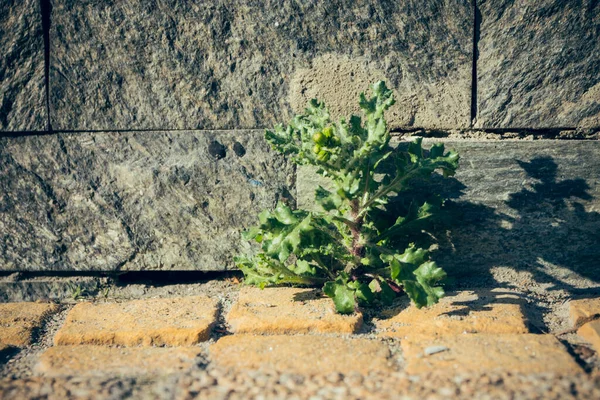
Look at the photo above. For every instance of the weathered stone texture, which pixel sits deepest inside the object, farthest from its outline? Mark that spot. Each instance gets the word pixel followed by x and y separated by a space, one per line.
pixel 151 322
pixel 245 64
pixel 22 82
pixel 66 388
pixel 539 64
pixel 464 312
pixel 49 288
pixel 481 353
pixel 515 207
pixel 302 354
pixel 134 201
pixel 19 320
pixel 64 361
pixel 288 310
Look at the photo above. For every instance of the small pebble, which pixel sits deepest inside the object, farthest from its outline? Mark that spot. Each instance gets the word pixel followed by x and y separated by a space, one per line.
pixel 435 349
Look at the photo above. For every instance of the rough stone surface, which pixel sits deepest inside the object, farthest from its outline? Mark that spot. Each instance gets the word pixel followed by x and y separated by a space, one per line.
pixel 301 354
pixel 22 82
pixel 232 384
pixel 483 353
pixel 288 310
pixel 231 65
pixel 464 312
pixel 591 333
pixel 134 201
pixel 84 388
pixel 150 322
pixel 515 207
pixel 538 64
pixel 584 309
pixel 19 320
pixel 115 361
pixel 48 288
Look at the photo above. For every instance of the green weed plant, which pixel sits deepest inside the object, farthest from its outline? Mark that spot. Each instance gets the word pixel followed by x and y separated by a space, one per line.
pixel 352 246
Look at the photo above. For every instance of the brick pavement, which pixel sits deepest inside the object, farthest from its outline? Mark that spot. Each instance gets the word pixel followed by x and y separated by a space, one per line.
pixel 18 321
pixel 296 331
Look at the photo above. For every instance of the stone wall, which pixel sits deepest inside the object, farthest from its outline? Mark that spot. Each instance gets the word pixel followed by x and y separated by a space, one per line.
pixel 131 131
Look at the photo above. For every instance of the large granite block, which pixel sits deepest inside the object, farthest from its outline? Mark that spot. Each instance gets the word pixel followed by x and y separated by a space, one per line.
pixel 22 82
pixel 134 201
pixel 236 64
pixel 519 211
pixel 539 64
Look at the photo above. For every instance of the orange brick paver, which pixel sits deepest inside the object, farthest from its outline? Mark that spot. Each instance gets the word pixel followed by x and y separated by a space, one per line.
pixel 18 320
pixel 89 360
pixel 465 312
pixel 591 333
pixel 171 321
pixel 288 310
pixel 306 354
pixel 583 309
pixel 487 353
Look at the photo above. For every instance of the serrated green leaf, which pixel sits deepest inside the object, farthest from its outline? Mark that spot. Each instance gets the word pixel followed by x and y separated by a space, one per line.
pixel 262 271
pixel 415 293
pixel 382 291
pixel 417 275
pixel 437 150
pixel 252 233
pixel 362 290
pixel 303 267
pixel 282 140
pixel 387 295
pixel 326 199
pixel 413 255
pixel 415 150
pixel 342 296
pixel 429 272
pixel 428 275
pixel 258 271
pixel 284 214
pixel 395 269
pixel 283 231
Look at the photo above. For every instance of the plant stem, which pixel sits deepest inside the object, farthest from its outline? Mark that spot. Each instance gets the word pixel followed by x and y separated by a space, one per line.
pixel 351 224
pixel 306 281
pixel 323 266
pixel 385 272
pixel 397 229
pixel 357 246
pixel 385 190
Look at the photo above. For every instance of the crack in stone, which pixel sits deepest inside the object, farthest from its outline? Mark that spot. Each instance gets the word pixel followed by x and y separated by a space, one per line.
pixel 46 10
pixel 476 38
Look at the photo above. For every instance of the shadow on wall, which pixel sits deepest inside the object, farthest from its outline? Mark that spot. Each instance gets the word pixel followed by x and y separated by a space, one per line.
pixel 541 240
pixel 542 236
pixel 547 239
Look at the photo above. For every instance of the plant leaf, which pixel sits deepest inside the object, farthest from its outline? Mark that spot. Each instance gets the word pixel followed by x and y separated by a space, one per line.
pixel 417 275
pixel 326 199
pixel 362 291
pixel 343 297
pixel 303 267
pixel 366 217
